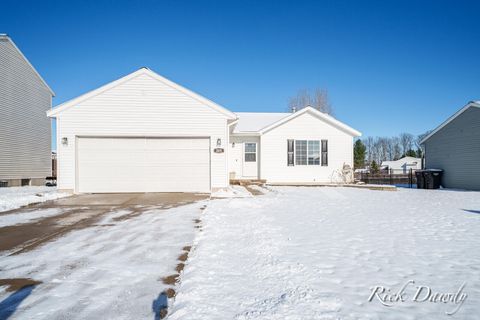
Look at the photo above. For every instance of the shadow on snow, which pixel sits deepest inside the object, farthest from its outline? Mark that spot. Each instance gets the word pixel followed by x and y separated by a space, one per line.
pixel 160 305
pixel 10 304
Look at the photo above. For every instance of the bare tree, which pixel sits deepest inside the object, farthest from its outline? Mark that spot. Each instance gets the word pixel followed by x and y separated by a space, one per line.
pixel 380 149
pixel 317 99
pixel 420 138
pixel 369 144
pixel 384 143
pixel 406 141
pixel 397 149
pixel 390 148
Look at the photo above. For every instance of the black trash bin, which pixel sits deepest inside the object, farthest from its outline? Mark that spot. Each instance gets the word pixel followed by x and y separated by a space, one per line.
pixel 420 179
pixel 433 178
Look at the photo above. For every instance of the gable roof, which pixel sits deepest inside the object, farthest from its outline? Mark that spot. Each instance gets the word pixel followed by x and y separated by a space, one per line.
pixel 142 71
pixel 471 104
pixel 258 121
pixel 5 37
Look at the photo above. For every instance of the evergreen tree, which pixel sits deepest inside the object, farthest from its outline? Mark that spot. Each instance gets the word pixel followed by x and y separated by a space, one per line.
pixel 411 153
pixel 359 152
pixel 419 153
pixel 374 167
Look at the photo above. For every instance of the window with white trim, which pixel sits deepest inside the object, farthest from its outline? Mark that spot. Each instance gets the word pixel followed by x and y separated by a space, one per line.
pixel 250 152
pixel 307 152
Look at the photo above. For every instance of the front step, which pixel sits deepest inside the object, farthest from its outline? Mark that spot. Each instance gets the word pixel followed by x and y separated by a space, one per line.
pixel 246 182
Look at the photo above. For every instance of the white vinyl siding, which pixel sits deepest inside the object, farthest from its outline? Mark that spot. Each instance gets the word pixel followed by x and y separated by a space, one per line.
pixel 140 107
pixel 143 164
pixel 237 155
pixel 25 150
pixel 274 151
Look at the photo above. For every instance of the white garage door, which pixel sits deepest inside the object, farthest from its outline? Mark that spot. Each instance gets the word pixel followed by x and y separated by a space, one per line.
pixel 143 165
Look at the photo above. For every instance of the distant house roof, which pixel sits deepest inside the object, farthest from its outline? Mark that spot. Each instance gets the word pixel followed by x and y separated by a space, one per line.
pixel 471 104
pixel 401 160
pixel 5 37
pixel 253 122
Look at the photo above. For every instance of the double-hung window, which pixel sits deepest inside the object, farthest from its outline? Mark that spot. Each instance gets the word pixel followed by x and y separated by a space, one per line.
pixel 313 152
pixel 301 152
pixel 250 152
pixel 307 152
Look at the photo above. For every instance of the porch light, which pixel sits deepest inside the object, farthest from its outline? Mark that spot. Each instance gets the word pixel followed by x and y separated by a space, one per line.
pixel 64 141
pixel 219 142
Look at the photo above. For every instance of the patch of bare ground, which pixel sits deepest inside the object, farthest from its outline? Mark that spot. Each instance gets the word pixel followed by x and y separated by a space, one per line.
pixel 16 284
pixel 183 257
pixel 173 279
pixel 28 236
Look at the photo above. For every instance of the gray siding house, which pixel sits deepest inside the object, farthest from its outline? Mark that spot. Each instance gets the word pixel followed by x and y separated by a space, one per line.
pixel 25 130
pixel 454 146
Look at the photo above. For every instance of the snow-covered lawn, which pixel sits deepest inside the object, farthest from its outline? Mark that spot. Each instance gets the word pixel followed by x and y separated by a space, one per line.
pixel 113 270
pixel 318 253
pixel 16 197
pixel 294 253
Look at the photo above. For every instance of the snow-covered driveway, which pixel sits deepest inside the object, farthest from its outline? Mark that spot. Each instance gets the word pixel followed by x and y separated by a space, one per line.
pixel 112 268
pixel 317 253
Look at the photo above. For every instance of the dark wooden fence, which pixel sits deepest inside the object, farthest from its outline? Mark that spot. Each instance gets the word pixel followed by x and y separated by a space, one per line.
pixel 399 177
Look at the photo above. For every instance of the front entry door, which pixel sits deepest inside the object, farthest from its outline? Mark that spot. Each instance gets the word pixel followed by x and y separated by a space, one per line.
pixel 250 158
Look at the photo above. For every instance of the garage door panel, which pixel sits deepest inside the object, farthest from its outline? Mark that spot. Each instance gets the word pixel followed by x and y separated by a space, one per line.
pixel 178 143
pixel 143 165
pixel 178 157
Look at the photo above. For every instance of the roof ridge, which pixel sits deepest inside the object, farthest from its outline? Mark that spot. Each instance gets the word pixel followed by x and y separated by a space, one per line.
pixel 7 37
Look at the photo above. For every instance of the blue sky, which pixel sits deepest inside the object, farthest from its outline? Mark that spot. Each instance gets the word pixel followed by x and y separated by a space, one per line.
pixel 389 66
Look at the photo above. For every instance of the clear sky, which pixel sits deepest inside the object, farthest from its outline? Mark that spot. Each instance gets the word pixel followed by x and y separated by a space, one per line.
pixel 389 66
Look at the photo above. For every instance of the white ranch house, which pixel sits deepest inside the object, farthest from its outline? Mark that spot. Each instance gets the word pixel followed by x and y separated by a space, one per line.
pixel 144 133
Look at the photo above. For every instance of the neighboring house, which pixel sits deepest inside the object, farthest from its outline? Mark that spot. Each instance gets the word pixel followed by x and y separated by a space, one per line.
pixel 454 147
pixel 144 133
pixel 403 165
pixel 25 152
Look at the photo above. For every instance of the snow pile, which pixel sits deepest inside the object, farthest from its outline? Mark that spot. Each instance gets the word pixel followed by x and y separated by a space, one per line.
pixel 316 253
pixel 16 197
pixel 104 272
